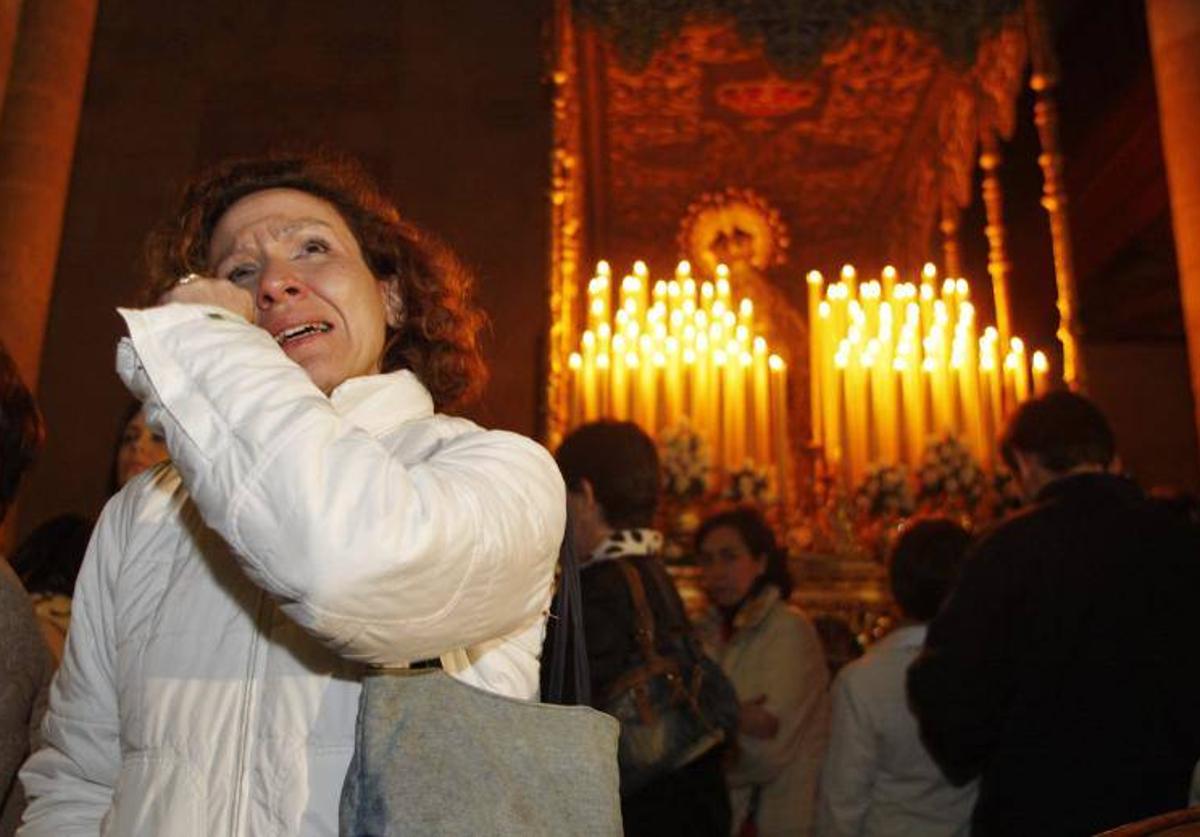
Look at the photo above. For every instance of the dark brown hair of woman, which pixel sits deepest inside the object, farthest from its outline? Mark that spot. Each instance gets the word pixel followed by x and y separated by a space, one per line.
pixel 758 536
pixel 438 335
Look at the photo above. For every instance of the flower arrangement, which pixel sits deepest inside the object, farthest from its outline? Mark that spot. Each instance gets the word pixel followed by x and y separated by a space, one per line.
pixel 949 476
pixel 749 484
pixel 685 462
pixel 885 492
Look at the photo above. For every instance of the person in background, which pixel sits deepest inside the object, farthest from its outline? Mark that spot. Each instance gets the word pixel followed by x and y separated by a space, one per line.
pixel 612 476
pixel 25 664
pixel 49 558
pixel 48 562
pixel 1062 669
pixel 322 514
pixel 774 657
pixel 878 780
pixel 138 448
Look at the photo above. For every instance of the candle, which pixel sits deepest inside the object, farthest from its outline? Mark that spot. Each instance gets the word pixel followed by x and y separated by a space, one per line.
pixel 841 362
pixel 890 381
pixel 1041 374
pixel 856 411
pixel 647 385
pixel 989 365
pixel 779 432
pixel 642 273
pixel 926 294
pixel 716 393
pixel 889 276
pixel 884 419
pixel 849 278
pixel 701 383
pixel 762 402
pixel 598 296
pixel 724 290
pixel 830 391
pixel 603 368
pixel 620 384
pixel 1020 370
pixel 1010 383
pixel 575 365
pixel 816 284
pixel 733 404
pixel 674 381
pixel 588 363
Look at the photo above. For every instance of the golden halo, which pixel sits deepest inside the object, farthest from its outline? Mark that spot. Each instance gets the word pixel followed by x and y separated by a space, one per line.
pixel 734 225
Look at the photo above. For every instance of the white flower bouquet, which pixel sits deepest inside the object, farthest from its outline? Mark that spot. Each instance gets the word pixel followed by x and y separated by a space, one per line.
pixel 749 484
pixel 685 462
pixel 885 492
pixel 949 474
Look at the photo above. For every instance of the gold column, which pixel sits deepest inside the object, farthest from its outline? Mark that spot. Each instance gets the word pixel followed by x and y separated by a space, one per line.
pixel 949 228
pixel 993 202
pixel 1175 45
pixel 37 141
pixel 1054 195
pixel 566 195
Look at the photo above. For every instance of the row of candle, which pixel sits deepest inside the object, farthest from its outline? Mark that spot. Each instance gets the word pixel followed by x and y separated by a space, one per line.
pixel 895 363
pixel 680 349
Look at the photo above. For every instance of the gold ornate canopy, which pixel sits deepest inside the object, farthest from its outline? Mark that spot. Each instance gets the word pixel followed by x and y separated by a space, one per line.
pixel 711 152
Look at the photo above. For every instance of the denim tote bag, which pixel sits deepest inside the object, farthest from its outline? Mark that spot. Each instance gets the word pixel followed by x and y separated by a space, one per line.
pixel 434 756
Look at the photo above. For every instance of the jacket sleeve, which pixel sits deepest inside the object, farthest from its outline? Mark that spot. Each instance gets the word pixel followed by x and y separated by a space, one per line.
pixel 25 662
pixel 797 694
pixel 70 780
pixel 383 558
pixel 960 686
pixel 850 763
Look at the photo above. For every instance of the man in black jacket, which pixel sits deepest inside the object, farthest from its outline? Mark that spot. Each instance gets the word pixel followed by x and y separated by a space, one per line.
pixel 1064 670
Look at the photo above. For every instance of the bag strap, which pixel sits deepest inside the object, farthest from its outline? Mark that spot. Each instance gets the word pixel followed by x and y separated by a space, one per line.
pixel 568 608
pixel 644 626
pixel 670 595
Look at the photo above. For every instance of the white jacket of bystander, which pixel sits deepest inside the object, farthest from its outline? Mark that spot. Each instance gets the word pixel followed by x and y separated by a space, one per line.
pixel 229 603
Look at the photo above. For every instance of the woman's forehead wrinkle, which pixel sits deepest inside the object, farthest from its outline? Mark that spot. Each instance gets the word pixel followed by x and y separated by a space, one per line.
pixel 273 227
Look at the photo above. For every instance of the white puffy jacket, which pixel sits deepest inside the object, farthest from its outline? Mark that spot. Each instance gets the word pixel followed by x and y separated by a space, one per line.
pixel 227 604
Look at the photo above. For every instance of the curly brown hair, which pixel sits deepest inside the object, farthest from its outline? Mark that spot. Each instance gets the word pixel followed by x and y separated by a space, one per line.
pixel 438 339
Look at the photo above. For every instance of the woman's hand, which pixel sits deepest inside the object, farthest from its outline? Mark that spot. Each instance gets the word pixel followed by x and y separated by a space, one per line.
pixel 755 721
pixel 201 290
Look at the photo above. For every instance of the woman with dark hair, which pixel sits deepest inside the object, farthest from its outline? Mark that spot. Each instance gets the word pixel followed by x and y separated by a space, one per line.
pixel 320 515
pixel 48 562
pixel 773 655
pixel 878 779
pixel 139 448
pixel 612 474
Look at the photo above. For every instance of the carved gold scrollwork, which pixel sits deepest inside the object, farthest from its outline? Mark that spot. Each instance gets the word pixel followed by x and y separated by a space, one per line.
pixel 566 196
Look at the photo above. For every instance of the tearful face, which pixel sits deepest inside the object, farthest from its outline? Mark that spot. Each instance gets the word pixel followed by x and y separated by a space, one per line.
pixel 312 288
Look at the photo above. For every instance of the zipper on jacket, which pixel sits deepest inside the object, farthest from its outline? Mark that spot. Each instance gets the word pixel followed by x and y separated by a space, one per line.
pixel 248 696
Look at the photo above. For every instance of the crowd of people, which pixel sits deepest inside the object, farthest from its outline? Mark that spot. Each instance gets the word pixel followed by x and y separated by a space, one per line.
pixel 193 663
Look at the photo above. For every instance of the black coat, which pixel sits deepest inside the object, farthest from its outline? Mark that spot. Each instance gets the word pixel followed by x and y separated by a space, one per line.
pixel 1064 670
pixel 609 620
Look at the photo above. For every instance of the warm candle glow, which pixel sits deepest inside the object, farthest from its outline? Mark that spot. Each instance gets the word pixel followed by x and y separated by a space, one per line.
pixel 668 349
pixel 894 362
